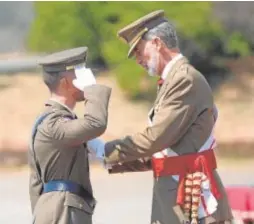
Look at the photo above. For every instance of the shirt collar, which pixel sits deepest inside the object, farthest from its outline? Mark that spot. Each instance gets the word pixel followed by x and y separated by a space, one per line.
pixel 169 66
pixel 63 105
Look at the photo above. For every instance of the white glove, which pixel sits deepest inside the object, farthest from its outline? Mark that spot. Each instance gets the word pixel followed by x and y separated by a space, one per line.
pixel 84 77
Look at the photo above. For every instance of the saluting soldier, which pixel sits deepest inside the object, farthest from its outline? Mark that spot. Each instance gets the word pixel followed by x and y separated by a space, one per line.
pixel 179 137
pixel 60 188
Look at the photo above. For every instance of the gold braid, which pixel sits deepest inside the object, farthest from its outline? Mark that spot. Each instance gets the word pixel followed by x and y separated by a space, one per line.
pixel 196 196
pixel 187 196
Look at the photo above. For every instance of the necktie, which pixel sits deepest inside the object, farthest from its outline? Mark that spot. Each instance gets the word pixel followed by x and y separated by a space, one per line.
pixel 160 82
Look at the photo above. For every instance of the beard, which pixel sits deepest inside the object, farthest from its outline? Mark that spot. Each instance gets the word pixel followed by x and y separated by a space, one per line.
pixel 152 66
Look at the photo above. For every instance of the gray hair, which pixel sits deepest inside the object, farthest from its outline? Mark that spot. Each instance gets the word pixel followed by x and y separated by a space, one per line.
pixel 166 32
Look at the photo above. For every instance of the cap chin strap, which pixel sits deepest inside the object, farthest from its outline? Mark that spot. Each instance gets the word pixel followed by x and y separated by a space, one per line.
pixel 138 36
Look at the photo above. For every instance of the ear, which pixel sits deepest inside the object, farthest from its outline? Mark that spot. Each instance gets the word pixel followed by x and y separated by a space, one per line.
pixel 67 78
pixel 158 43
pixel 63 82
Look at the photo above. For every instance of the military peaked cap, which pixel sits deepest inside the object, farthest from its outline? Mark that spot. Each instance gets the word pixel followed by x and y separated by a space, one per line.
pixel 133 32
pixel 64 60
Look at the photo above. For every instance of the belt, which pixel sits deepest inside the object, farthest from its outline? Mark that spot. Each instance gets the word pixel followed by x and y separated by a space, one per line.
pixel 182 165
pixel 69 186
pixel 192 170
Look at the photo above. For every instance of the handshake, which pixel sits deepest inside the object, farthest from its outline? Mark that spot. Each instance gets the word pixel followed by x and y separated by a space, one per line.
pixel 97 148
pixel 84 77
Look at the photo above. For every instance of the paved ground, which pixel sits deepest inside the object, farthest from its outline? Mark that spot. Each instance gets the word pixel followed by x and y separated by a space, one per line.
pixel 122 199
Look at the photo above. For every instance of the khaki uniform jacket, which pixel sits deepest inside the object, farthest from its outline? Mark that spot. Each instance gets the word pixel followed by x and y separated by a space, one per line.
pixel 182 120
pixel 60 149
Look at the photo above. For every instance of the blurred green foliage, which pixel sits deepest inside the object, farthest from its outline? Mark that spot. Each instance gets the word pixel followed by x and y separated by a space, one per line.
pixel 61 25
pixel 238 44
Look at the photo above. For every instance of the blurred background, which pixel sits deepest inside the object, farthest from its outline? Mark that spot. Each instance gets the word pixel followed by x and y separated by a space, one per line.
pixel 217 37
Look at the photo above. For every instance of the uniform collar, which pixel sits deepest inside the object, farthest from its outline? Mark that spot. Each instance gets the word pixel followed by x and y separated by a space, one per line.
pixel 56 103
pixel 169 66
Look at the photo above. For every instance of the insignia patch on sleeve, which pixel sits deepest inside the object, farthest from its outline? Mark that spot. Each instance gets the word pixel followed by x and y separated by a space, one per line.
pixel 64 119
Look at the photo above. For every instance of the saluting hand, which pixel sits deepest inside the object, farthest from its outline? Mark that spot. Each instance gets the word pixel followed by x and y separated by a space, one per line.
pixel 84 77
